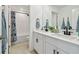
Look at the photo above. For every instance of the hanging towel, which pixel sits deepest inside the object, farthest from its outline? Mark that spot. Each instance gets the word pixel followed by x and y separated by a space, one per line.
pixel 77 29
pixel 4 33
pixel 63 24
pixel 13 27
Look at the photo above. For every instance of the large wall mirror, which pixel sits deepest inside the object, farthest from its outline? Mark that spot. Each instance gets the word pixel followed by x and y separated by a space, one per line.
pixel 56 13
pixel 49 13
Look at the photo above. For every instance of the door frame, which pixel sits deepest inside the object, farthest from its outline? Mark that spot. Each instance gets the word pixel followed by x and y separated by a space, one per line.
pixel 9 26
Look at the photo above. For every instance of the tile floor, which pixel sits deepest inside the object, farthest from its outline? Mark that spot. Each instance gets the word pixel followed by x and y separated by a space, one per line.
pixel 21 48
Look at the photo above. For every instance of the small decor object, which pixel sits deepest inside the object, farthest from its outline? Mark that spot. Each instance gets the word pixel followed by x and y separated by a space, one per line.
pixel 68 24
pixel 53 29
pixel 63 24
pixel 77 29
pixel 47 25
pixel 37 23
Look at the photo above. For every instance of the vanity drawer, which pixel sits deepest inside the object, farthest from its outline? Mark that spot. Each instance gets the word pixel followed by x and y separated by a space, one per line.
pixel 51 40
pixel 69 48
pixel 50 49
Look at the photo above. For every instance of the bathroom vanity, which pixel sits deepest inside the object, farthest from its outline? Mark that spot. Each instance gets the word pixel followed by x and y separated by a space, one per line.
pixel 54 43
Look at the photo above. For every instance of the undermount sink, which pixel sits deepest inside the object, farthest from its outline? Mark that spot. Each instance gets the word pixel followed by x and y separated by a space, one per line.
pixel 70 37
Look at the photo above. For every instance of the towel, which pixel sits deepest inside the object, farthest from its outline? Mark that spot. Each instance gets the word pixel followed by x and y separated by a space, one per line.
pixel 4 33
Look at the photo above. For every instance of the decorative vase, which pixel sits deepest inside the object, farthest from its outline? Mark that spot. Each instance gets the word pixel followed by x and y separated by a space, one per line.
pixel 63 24
pixel 37 23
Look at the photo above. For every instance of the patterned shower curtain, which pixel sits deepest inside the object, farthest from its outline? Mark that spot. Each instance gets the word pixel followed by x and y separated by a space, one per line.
pixel 4 33
pixel 13 27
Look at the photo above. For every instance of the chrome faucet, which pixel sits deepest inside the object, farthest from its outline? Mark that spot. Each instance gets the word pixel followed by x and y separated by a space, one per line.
pixel 67 32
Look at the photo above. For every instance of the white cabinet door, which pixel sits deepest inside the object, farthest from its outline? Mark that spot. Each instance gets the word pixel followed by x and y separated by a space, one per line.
pixel 44 43
pixel 0 46
pixel 50 49
pixel 60 51
pixel 38 43
pixel 35 41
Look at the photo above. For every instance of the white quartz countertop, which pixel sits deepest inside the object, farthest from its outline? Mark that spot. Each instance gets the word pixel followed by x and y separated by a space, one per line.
pixel 67 38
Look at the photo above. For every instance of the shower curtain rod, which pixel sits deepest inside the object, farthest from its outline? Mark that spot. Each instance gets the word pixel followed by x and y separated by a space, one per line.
pixel 22 12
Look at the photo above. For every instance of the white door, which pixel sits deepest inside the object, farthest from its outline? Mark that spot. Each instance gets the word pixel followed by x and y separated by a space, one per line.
pixel 22 26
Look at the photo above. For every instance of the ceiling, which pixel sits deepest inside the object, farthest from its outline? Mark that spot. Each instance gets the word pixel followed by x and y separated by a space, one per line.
pixel 59 6
pixel 20 7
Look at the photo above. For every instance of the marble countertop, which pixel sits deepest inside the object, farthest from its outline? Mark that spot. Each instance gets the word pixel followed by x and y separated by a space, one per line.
pixel 67 38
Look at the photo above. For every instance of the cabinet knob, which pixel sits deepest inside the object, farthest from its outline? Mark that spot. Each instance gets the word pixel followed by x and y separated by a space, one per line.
pixel 54 51
pixel 37 40
pixel 57 52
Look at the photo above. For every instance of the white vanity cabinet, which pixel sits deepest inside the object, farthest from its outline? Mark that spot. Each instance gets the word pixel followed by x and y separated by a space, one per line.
pixel 52 46
pixel 52 49
pixel 44 43
pixel 63 47
pixel 38 43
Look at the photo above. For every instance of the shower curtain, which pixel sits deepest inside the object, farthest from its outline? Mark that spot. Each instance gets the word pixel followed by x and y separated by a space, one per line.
pixel 4 33
pixel 13 27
